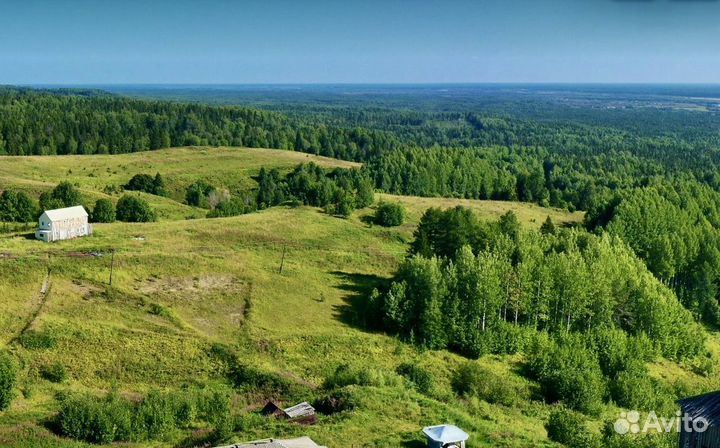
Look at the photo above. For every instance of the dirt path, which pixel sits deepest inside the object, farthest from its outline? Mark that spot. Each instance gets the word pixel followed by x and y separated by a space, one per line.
pixel 40 299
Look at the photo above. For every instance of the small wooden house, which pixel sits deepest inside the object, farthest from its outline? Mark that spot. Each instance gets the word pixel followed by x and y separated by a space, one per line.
pixel 302 413
pixel 445 436
pixel 700 427
pixel 63 224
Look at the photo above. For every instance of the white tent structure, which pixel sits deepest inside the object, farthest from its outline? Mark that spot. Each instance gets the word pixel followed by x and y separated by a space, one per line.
pixel 445 436
pixel 63 224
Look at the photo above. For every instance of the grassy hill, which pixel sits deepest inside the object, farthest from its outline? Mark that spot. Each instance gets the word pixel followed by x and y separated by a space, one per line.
pixel 230 168
pixel 180 287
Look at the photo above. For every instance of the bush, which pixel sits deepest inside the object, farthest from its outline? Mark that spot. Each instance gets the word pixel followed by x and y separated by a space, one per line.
pixel 568 372
pixel 255 380
pixel 8 378
pixel 197 193
pixel 104 211
pixel 134 209
pixel 346 375
pixel 35 340
pixel 419 377
pixel 473 380
pixel 147 183
pixel 338 400
pixel 113 418
pixel 569 428
pixel 55 373
pixel 390 214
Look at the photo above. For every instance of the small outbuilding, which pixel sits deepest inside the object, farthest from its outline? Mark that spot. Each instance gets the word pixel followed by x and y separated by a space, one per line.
pixel 63 224
pixel 300 413
pixel 445 436
pixel 700 424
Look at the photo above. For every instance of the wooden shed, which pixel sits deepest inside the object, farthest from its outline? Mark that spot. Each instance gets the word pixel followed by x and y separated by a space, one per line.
pixel 700 427
pixel 302 413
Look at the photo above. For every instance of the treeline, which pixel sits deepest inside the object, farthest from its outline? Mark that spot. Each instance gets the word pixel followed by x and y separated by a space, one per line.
pixel 338 191
pixel 36 122
pixel 674 226
pixel 479 287
pixel 583 309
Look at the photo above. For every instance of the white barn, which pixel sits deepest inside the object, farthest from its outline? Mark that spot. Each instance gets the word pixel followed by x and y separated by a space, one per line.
pixel 63 224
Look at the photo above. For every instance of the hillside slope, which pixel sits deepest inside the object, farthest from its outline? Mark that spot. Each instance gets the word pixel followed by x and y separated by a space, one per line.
pixel 284 287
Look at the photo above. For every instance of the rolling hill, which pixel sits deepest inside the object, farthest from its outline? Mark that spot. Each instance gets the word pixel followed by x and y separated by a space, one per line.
pixel 282 287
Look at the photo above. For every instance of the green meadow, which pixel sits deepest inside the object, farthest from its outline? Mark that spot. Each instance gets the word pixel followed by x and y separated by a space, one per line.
pixel 282 287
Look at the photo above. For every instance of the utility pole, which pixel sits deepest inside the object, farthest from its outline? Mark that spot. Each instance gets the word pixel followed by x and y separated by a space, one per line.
pixel 282 260
pixel 112 265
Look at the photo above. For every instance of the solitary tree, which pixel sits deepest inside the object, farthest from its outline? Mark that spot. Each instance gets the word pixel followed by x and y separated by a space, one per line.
pixel 104 211
pixel 132 208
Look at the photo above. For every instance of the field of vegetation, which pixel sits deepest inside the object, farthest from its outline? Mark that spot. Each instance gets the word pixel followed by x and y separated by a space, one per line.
pixel 186 290
pixel 525 272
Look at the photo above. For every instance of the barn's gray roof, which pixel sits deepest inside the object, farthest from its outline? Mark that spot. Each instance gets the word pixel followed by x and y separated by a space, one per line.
pixel 61 214
pixel 706 406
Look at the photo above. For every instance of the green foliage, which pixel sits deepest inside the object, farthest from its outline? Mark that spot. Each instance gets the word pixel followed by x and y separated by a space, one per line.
pixel 113 418
pixel 8 379
pixel 571 429
pixel 55 373
pixel 147 183
pixel 104 211
pixel 346 375
pixel 336 401
pixel 390 214
pixel 494 286
pixel 339 191
pixel 471 379
pixel 37 339
pixel 63 195
pixel 131 208
pixel 17 207
pixel 197 194
pixel 419 377
pixel 567 371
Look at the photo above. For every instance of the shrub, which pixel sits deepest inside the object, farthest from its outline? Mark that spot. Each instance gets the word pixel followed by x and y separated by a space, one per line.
pixel 8 378
pixel 473 379
pixel 104 211
pixel 147 183
pixel 569 428
pixel 55 373
pixel 197 193
pixel 568 372
pixel 35 340
pixel 255 380
pixel 419 377
pixel 132 208
pixel 155 416
pixel 338 400
pixel 390 214
pixel 346 375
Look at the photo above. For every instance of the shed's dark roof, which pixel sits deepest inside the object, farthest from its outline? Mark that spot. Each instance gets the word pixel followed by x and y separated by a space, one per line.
pixel 706 406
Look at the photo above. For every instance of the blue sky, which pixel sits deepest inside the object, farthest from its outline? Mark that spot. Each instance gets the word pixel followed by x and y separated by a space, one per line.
pixel 370 41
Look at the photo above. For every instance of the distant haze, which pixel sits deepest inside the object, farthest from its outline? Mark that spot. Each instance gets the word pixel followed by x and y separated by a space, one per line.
pixel 370 41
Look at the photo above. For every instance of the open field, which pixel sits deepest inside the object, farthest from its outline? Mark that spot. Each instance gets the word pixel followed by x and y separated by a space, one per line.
pixel 180 286
pixel 229 168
